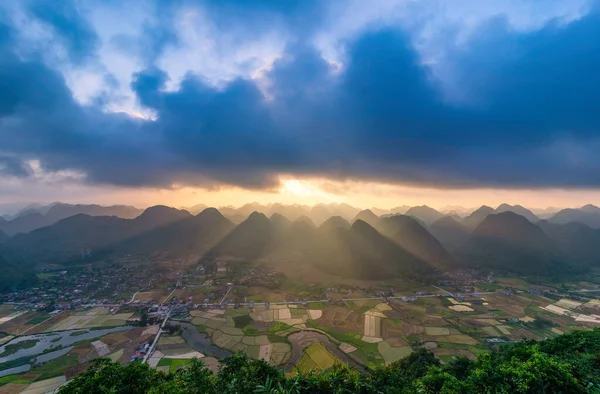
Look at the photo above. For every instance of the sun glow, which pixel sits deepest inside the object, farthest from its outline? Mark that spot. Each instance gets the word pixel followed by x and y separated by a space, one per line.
pixel 295 187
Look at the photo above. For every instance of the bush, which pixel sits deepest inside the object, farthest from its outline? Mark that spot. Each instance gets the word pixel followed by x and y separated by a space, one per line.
pixel 567 364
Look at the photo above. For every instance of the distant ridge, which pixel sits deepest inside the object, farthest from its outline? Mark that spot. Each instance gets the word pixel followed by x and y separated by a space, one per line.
pixel 476 217
pixel 509 242
pixel 424 213
pixel 413 237
pixel 251 239
pixel 335 222
pixel 64 240
pixel 589 216
pixel 450 232
pixel 367 216
pixel 186 236
pixel 36 216
pixel 519 210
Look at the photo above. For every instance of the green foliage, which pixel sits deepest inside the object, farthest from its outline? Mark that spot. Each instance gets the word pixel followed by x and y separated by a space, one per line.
pixel 15 347
pixel 38 320
pixel 567 364
pixel 242 321
pixel 15 363
pixel 278 326
pixel 277 339
pixel 201 328
pixel 55 367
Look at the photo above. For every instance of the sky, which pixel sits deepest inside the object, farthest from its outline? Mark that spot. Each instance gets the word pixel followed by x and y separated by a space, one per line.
pixel 380 103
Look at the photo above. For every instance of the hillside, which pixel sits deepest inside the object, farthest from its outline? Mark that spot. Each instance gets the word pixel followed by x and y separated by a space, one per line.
pixel 251 239
pixel 15 275
pixel 476 217
pixel 519 210
pixel 413 237
pixel 40 216
pixel 188 236
pixel 335 222
pixel 589 217
pixel 424 213
pixel 65 240
pixel 450 232
pixel 509 242
pixel 357 251
pixel 362 252
pixel 576 240
pixel 367 216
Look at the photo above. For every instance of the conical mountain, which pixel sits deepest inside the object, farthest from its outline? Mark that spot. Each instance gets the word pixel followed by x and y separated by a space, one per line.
pixel 196 209
pixel 512 227
pixel 362 252
pixel 251 239
pixel 296 242
pixel 280 222
pixel 319 214
pixel 159 215
pixel 191 235
pixel 451 233
pixel 575 239
pixel 510 243
pixel 588 217
pixel 335 222
pixel 306 219
pixel 367 216
pixel 590 208
pixel 476 217
pixel 413 237
pixel 519 210
pixel 64 241
pixel 424 213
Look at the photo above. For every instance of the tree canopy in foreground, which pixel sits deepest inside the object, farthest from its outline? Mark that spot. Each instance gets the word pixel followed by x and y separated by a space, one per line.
pixel 566 364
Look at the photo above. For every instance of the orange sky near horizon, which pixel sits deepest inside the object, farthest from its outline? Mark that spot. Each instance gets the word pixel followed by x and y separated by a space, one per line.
pixel 314 191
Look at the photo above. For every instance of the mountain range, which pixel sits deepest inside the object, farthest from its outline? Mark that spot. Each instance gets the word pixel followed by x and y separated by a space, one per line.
pixel 36 216
pixel 416 244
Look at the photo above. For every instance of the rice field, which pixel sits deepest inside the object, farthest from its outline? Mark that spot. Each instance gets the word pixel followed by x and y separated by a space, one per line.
pixel 434 331
pixel 316 357
pixel 372 326
pixel 391 354
pixel 460 308
pixel 95 317
pixel 568 304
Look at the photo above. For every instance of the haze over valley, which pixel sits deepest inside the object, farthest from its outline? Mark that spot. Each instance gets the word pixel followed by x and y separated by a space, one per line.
pixel 299 196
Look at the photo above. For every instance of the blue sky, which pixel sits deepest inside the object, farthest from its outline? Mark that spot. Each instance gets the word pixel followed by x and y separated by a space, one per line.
pixel 105 97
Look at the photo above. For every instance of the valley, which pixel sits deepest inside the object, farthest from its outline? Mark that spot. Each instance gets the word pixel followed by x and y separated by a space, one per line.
pixel 168 286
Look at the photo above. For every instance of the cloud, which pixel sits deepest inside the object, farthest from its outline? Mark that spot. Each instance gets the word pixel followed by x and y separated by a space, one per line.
pixel 504 107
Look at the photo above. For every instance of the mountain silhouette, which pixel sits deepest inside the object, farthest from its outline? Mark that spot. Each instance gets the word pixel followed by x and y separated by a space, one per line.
pixel 424 213
pixel 476 217
pixel 510 242
pixel 519 210
pixel 450 232
pixel 188 236
pixel 367 216
pixel 413 237
pixel 37 216
pixel 588 216
pixel 66 240
pixel 251 239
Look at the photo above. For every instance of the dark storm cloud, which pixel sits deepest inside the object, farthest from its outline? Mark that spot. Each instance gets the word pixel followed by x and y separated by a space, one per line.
pixel 14 167
pixel 530 118
pixel 65 19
